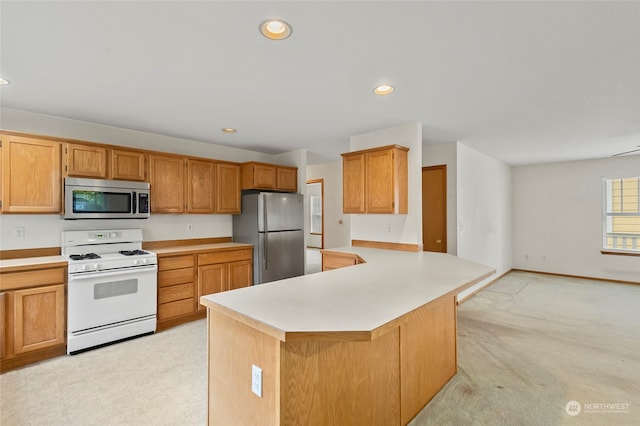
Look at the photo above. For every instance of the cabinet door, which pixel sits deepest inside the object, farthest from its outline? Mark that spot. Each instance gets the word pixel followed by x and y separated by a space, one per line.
pixel 167 184
pixel 128 165
pixel 240 274
pixel 335 261
pixel 85 161
pixel 287 179
pixel 211 279
pixel 31 180
pixel 228 188
pixel 379 182
pixel 3 325
pixel 264 176
pixel 38 318
pixel 353 194
pixel 201 177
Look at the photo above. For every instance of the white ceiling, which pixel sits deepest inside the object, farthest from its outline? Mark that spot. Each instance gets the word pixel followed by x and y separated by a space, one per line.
pixel 524 82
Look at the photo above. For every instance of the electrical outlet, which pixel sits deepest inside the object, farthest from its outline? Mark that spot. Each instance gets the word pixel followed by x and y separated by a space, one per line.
pixel 189 227
pixel 256 380
pixel 18 231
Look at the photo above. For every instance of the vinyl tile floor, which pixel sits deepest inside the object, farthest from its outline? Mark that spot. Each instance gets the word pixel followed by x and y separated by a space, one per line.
pixel 528 345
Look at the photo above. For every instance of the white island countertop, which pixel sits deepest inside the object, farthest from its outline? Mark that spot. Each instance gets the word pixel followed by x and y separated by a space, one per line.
pixel 357 302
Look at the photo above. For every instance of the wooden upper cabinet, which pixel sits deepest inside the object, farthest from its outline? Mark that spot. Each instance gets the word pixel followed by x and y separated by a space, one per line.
pixel 85 161
pixel 201 177
pixel 376 180
pixel 353 183
pixel 287 178
pixel 269 176
pixel 31 175
pixel 258 176
pixel 128 165
pixel 167 181
pixel 228 188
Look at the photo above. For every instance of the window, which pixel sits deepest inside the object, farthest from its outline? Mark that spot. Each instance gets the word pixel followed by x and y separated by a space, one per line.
pixel 622 214
pixel 316 214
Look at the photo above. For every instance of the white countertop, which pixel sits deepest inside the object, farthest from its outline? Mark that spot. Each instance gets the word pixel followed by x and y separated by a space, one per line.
pixel 198 247
pixel 358 298
pixel 31 262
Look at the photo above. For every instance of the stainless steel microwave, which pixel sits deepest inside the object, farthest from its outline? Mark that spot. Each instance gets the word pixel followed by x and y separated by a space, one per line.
pixel 105 199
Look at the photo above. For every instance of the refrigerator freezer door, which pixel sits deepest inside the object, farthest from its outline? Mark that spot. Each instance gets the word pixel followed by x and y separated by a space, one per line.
pixel 280 211
pixel 280 256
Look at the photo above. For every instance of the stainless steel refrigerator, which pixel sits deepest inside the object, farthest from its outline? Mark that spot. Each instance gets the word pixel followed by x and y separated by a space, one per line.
pixel 274 223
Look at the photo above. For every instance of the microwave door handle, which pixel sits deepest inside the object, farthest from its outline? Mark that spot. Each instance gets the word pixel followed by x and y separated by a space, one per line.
pixel 134 207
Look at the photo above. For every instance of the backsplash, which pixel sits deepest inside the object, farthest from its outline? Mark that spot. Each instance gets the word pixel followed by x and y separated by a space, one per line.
pixel 44 230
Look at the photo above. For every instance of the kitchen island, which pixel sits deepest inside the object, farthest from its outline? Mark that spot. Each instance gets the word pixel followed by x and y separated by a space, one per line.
pixel 367 344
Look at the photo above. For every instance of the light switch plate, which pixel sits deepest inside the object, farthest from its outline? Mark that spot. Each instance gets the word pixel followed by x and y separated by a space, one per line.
pixel 256 380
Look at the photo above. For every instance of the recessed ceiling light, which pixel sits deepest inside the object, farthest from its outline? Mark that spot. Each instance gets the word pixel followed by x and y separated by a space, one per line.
pixel 275 29
pixel 229 130
pixel 383 89
pixel 3 81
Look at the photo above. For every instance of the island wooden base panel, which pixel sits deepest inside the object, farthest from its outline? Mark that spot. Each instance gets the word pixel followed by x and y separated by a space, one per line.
pixel 386 381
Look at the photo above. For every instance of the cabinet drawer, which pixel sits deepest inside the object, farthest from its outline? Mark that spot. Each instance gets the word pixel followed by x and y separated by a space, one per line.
pixel 175 276
pixel 176 292
pixel 25 279
pixel 175 262
pixel 224 256
pixel 175 309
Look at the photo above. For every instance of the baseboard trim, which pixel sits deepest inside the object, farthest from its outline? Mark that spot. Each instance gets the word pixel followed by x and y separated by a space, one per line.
pixel 478 290
pixel 579 276
pixel 386 245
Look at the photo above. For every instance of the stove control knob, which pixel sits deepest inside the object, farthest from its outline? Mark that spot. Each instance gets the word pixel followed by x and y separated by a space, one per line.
pixel 95 266
pixel 135 261
pixel 82 267
pixel 143 261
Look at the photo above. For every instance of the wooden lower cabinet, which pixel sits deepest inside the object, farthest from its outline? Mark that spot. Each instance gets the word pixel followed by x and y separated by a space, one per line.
pixel 33 316
pixel 211 279
pixel 313 379
pixel 183 278
pixel 176 288
pixel 335 260
pixel 224 271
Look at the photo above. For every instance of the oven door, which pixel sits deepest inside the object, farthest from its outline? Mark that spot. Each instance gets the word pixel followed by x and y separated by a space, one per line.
pixel 97 299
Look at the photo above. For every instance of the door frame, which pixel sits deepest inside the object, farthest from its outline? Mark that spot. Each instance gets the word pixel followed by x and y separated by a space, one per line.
pixel 321 182
pixel 444 203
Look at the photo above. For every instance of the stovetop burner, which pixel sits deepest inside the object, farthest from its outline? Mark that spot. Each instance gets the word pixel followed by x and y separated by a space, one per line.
pixel 132 252
pixel 84 256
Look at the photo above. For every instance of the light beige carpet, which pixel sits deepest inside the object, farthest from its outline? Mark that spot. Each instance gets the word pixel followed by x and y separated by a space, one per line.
pixel 530 344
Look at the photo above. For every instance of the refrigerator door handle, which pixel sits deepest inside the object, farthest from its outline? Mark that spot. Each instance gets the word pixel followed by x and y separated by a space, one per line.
pixel 265 256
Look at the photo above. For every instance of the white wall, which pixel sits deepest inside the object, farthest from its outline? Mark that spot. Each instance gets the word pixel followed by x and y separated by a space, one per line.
pixel 558 212
pixel 446 153
pixel 399 228
pixel 484 212
pixel 337 228
pixel 44 230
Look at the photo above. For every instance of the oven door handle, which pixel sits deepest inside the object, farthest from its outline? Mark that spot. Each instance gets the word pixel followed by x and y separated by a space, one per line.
pixel 99 274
